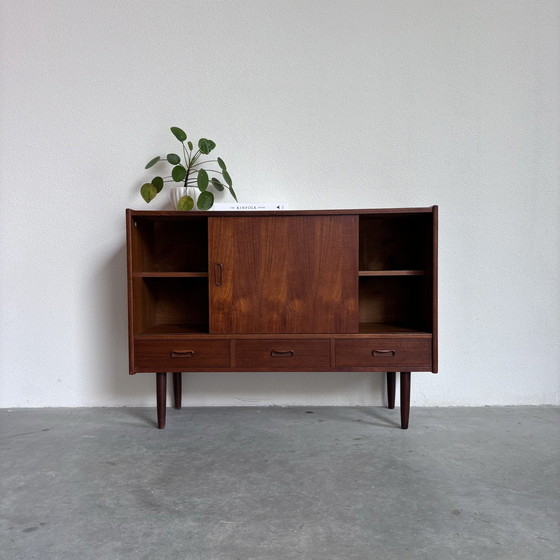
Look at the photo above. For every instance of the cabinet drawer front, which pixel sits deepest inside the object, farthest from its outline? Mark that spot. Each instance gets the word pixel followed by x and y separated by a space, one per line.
pixel 282 354
pixel 181 355
pixel 394 354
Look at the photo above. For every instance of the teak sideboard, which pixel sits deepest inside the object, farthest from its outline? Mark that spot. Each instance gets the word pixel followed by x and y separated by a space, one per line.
pixel 325 290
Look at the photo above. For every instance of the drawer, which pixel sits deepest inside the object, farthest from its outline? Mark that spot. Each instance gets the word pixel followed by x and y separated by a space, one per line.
pixel 393 354
pixel 282 354
pixel 181 354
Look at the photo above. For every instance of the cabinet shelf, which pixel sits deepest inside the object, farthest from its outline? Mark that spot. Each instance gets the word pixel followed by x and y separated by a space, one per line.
pixel 168 328
pixel 389 328
pixel 392 273
pixel 170 275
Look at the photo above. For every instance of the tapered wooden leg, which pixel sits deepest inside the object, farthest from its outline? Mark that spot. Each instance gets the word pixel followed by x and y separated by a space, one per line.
pixel 391 389
pixel 161 394
pixel 405 398
pixel 177 389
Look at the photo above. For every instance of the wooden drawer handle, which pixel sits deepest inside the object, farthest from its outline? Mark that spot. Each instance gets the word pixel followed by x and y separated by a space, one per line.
pixel 282 353
pixel 381 353
pixel 182 353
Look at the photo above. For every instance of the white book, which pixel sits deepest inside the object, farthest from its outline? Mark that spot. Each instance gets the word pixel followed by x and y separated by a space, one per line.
pixel 250 206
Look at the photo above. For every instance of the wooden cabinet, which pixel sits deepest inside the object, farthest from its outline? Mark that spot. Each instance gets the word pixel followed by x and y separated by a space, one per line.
pixel 332 290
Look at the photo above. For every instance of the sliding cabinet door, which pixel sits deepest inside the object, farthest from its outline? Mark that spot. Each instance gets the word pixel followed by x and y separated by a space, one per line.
pixel 283 274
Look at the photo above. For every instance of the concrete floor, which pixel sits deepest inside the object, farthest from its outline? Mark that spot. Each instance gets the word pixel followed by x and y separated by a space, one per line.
pixel 280 483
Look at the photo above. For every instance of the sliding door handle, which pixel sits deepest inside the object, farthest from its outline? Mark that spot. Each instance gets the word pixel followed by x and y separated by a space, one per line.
pixel 218 274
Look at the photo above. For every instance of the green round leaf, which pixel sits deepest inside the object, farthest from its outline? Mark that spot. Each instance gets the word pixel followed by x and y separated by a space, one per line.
pixel 202 180
pixel 206 146
pixel 227 178
pixel 152 162
pixel 233 194
pixel 173 159
pixel 178 133
pixel 185 203
pixel 203 146
pixel 189 144
pixel 158 183
pixel 217 185
pixel 205 200
pixel 178 173
pixel 222 164
pixel 148 192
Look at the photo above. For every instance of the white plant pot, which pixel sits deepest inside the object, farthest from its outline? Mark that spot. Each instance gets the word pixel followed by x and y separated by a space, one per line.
pixel 176 193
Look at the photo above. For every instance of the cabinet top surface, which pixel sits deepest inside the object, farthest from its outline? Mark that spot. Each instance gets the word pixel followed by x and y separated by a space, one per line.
pixel 217 213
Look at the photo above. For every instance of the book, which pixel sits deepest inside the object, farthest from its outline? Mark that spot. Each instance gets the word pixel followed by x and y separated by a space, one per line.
pixel 250 206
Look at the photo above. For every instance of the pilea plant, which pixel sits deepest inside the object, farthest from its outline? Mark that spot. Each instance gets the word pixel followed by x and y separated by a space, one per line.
pixel 190 172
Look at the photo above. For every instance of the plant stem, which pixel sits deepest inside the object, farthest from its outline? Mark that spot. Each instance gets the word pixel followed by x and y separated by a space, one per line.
pixel 195 157
pixel 187 157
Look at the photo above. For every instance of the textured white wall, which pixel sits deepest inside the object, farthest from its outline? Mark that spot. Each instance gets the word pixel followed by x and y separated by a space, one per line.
pixel 322 103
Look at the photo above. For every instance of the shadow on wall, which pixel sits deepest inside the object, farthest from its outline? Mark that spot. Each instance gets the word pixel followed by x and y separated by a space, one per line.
pixel 283 389
pixel 109 381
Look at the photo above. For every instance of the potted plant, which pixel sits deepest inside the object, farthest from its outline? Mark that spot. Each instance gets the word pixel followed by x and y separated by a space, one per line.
pixel 190 172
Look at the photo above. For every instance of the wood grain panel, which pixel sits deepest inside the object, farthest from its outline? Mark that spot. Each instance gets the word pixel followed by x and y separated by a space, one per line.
pixel 282 355
pixel 283 274
pixel 181 355
pixel 392 353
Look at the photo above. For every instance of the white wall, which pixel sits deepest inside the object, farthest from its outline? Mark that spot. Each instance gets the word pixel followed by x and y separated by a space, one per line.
pixel 322 103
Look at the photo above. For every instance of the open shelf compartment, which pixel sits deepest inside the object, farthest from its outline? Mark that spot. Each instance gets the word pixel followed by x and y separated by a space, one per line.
pixel 392 305
pixel 171 305
pixel 395 244
pixel 170 246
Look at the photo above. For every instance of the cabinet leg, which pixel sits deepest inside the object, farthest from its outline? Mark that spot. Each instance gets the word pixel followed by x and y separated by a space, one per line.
pixel 405 398
pixel 161 394
pixel 177 389
pixel 390 389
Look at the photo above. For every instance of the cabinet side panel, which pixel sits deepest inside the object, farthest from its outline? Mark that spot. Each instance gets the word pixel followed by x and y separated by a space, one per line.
pixel 435 290
pixel 129 252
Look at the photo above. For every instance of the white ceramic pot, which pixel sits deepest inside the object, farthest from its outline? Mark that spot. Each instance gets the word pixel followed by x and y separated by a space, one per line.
pixel 177 193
